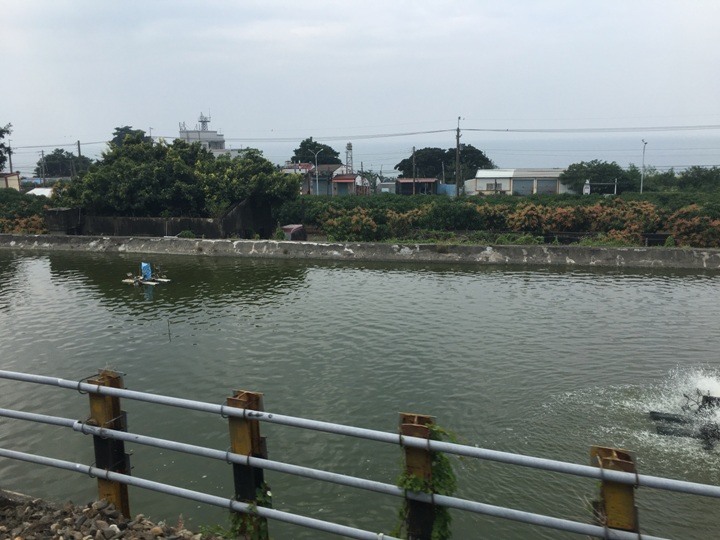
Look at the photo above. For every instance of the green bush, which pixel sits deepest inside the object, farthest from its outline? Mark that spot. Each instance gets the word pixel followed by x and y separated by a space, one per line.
pixel 693 218
pixel 14 205
pixel 186 234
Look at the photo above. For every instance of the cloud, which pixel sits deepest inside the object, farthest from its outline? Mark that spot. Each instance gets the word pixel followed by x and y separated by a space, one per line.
pixel 83 67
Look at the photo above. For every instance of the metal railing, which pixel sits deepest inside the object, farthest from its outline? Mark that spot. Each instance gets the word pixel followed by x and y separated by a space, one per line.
pixel 599 473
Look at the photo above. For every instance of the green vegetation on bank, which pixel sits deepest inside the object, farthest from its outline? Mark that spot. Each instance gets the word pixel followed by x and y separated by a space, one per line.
pixel 145 179
pixel 21 213
pixel 138 177
pixel 691 219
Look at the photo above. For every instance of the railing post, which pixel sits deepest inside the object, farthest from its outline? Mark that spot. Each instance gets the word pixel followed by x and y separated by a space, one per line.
pixel 616 508
pixel 418 463
pixel 249 481
pixel 109 453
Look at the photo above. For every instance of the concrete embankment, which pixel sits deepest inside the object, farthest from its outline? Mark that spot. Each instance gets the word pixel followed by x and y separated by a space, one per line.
pixel 545 255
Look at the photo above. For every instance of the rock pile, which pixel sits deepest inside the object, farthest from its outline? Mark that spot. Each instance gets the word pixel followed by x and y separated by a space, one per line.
pixel 23 518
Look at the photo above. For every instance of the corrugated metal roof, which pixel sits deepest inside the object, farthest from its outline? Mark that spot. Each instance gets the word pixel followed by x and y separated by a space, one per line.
pixel 45 191
pixel 538 173
pixel 418 180
pixel 519 173
pixel 494 173
pixel 344 178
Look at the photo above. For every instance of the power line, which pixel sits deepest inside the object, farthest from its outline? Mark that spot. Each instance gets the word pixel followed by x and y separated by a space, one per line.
pixel 598 130
pixel 73 144
pixel 368 136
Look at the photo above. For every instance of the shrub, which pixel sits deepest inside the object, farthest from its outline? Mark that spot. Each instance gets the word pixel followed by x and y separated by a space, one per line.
pixel 23 225
pixel 350 225
pixel 492 217
pixel 527 218
pixel 689 226
pixel 401 224
pixel 186 234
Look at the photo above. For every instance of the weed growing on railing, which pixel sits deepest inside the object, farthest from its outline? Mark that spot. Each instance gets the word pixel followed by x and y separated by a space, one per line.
pixel 443 482
pixel 250 526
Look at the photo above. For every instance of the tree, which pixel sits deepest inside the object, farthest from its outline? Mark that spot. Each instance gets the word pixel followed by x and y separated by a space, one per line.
pixel 601 175
pixel 62 163
pixel 432 162
pixel 121 133
pixel 656 180
pixel 247 177
pixel 138 178
pixel 4 148
pixel 428 163
pixel 142 179
pixel 700 178
pixel 471 159
pixel 305 153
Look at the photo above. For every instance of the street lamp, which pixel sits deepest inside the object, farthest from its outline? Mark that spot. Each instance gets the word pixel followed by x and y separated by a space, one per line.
pixel 642 173
pixel 317 183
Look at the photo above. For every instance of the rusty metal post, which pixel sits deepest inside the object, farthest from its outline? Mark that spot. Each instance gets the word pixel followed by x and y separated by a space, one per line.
pixel 245 439
pixel 616 508
pixel 418 463
pixel 110 454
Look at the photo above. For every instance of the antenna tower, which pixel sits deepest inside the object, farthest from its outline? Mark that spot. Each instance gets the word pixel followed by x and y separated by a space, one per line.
pixel 204 121
pixel 349 158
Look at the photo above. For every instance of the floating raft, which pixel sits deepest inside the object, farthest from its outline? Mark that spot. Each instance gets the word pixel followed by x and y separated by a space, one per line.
pixel 145 278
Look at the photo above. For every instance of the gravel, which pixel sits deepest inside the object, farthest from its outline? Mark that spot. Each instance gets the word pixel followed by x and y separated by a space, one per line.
pixel 24 518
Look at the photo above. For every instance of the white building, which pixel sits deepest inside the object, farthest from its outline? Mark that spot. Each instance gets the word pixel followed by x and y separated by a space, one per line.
pixel 516 182
pixel 212 140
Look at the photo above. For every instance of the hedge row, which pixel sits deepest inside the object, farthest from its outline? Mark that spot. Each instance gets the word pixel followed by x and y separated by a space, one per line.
pixel 619 220
pixel 21 213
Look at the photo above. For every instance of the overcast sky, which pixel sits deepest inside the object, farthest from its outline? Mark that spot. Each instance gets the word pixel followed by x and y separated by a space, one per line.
pixel 287 70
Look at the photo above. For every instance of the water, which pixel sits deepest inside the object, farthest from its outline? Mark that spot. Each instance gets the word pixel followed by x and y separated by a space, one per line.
pixel 544 362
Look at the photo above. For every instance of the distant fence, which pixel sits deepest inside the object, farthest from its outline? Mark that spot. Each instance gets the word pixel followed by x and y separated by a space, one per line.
pixel 615 514
pixel 136 226
pixel 244 220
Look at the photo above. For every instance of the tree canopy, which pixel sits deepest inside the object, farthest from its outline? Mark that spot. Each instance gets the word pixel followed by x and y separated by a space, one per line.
pixel 121 133
pixel 305 153
pixel 602 176
pixel 700 178
pixel 139 178
pixel 4 147
pixel 248 176
pixel 432 162
pixel 62 163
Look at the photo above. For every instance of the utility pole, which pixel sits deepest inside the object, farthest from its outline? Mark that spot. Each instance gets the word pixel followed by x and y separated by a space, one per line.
pixel 457 160
pixel 414 171
pixel 642 173
pixel 9 153
pixel 79 153
pixel 42 165
pixel 317 182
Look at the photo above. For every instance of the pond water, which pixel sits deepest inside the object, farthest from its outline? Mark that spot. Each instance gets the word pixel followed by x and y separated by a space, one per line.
pixel 544 362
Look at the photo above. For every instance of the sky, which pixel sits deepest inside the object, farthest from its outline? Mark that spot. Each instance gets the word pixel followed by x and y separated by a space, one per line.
pixel 271 73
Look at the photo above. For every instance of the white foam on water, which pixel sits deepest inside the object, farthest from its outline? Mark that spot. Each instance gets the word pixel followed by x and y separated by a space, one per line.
pixel 618 416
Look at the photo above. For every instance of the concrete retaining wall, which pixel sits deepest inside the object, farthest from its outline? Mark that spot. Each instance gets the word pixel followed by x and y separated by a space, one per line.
pixel 649 257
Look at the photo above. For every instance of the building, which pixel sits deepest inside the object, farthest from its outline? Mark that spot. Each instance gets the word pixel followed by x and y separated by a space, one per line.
pixel 303 169
pixel 212 140
pixel 10 181
pixel 349 184
pixel 516 182
pixel 416 186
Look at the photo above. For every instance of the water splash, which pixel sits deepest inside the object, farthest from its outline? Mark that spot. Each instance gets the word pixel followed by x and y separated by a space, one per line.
pixel 680 392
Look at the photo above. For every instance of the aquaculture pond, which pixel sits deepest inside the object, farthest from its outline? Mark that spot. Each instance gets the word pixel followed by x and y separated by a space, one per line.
pixel 538 361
